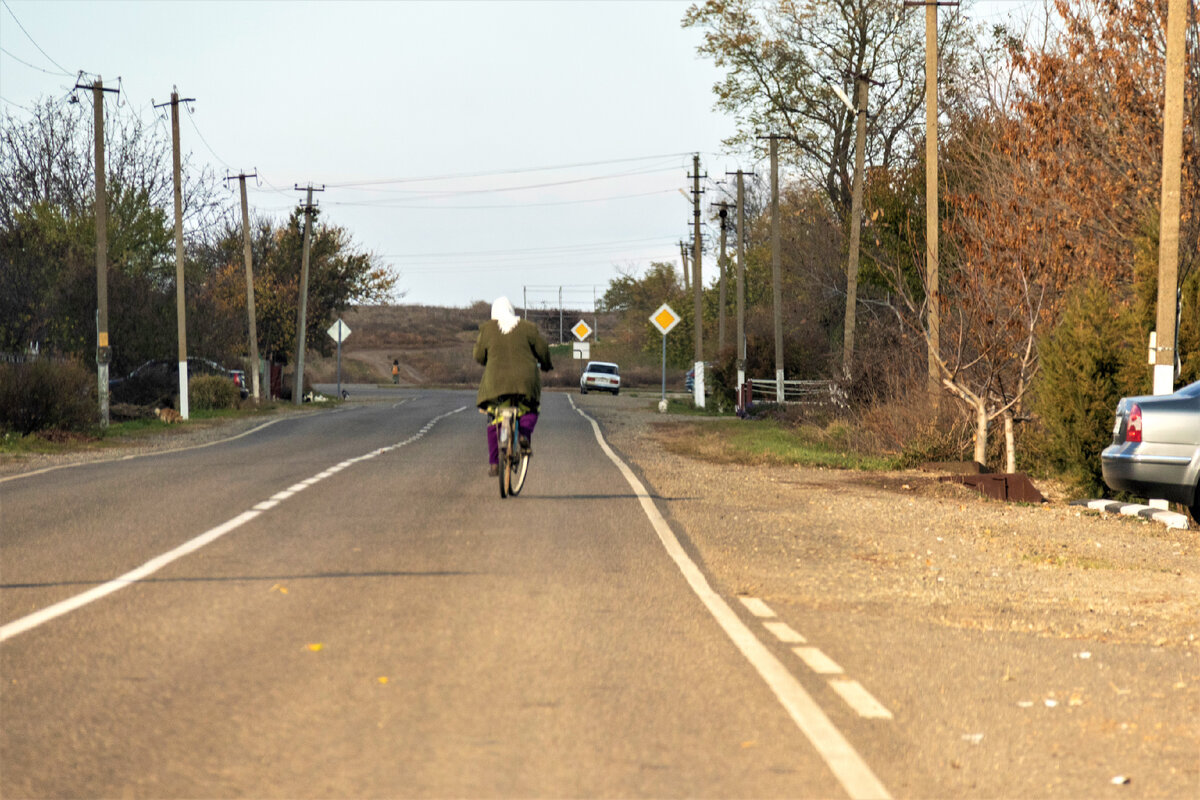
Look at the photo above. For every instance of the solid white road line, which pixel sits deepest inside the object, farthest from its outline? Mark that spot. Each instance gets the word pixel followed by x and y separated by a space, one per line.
pixel 146 455
pixel 859 698
pixel 37 618
pixel 843 761
pixel 784 632
pixel 757 607
pixel 817 661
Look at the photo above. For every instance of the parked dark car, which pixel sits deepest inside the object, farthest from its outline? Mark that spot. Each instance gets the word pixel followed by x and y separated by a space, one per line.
pixel 1155 451
pixel 156 383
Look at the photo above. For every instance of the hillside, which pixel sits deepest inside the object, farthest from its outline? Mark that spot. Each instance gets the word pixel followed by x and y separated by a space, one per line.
pixel 432 345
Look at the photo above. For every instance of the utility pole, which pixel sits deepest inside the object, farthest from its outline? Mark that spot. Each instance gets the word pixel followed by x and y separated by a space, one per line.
pixel 697 284
pixel 103 350
pixel 683 255
pixel 180 305
pixel 560 316
pixel 741 278
pixel 856 211
pixel 776 271
pixel 933 293
pixel 724 215
pixel 246 257
pixel 1168 239
pixel 302 320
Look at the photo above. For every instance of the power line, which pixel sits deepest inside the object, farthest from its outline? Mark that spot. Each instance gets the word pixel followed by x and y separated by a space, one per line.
pixel 488 173
pixel 497 205
pixel 523 251
pixel 34 66
pixel 35 44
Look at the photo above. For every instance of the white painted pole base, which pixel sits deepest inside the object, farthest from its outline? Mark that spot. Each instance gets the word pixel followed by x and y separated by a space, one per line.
pixel 183 390
pixel 698 384
pixel 778 386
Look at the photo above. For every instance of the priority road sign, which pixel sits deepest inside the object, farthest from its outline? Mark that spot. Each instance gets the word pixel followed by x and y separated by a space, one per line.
pixel 339 331
pixel 581 330
pixel 664 319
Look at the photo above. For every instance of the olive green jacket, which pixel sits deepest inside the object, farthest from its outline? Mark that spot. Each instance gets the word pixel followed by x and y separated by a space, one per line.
pixel 510 362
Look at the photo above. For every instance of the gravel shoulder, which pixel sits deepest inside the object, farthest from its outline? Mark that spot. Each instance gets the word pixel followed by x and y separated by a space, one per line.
pixel 903 543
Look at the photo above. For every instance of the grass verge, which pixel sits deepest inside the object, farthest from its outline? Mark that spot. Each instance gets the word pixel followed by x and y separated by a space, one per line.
pixel 764 442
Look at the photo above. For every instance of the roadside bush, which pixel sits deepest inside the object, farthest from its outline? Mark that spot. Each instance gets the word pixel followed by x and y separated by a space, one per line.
pixel 1090 361
pixel 208 392
pixel 47 395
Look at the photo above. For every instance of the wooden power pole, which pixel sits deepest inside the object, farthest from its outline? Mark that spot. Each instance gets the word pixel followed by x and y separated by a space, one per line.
pixel 697 285
pixel 1168 239
pixel 856 211
pixel 180 304
pixel 250 312
pixel 103 349
pixel 302 306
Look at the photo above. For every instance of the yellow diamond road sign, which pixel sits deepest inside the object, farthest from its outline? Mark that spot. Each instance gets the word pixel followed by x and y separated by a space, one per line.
pixel 581 330
pixel 664 319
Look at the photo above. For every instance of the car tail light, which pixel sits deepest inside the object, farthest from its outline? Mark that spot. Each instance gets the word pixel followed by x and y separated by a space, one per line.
pixel 1133 428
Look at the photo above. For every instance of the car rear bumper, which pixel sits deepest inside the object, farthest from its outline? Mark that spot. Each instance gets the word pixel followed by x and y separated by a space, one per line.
pixel 1159 475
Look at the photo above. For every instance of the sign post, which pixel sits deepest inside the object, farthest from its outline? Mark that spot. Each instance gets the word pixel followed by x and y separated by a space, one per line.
pixel 664 318
pixel 339 331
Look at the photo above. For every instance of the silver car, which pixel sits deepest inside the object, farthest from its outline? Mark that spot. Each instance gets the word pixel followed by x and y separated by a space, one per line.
pixel 1155 450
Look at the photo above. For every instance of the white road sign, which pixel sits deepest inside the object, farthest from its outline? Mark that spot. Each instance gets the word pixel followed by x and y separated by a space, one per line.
pixel 339 331
pixel 581 330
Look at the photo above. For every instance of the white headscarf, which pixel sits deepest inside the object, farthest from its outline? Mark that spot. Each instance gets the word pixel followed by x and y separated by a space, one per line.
pixel 503 313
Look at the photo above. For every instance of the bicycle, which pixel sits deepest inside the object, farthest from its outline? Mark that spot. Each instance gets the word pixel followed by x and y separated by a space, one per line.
pixel 514 459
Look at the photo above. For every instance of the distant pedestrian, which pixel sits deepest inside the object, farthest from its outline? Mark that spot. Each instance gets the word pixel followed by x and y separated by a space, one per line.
pixel 395 371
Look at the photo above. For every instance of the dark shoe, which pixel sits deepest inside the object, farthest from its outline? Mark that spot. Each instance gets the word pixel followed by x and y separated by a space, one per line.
pixel 523 440
pixel 493 470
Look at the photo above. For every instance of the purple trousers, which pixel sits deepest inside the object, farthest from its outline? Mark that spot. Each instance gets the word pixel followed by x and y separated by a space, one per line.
pixel 525 425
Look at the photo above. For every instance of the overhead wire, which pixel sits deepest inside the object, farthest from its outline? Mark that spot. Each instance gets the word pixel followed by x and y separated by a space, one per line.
pixel 12 14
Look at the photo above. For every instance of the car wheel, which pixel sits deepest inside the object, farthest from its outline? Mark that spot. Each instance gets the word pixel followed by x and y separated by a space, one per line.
pixel 616 392
pixel 582 390
pixel 1195 506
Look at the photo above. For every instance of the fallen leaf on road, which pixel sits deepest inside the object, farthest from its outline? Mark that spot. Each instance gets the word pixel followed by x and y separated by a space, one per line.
pixel 315 646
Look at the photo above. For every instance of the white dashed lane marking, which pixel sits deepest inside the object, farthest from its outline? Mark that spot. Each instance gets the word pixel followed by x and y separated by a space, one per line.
pixel 784 633
pixel 859 698
pixel 851 691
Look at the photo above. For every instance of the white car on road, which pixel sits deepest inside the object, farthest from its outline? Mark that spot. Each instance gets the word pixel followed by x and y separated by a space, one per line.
pixel 603 376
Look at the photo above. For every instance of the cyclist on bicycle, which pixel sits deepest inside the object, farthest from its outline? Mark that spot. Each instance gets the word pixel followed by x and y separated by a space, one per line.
pixel 511 350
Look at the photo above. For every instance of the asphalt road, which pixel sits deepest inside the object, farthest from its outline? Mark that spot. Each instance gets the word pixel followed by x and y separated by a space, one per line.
pixel 341 605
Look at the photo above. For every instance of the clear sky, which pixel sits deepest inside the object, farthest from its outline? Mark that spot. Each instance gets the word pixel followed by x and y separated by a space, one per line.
pixel 479 148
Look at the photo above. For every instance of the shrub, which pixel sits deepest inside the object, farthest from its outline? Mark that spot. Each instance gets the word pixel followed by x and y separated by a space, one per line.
pixel 208 392
pixel 1088 363
pixel 44 395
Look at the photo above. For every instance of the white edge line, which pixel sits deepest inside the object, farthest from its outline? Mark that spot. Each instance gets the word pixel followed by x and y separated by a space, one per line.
pixel 846 764
pixel 30 621
pixel 132 456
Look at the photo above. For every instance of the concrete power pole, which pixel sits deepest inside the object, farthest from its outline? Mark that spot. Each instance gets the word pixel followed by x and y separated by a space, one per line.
pixel 724 215
pixel 697 285
pixel 302 315
pixel 103 350
pixel 255 367
pixel 776 271
pixel 933 295
pixel 741 280
pixel 855 226
pixel 180 304
pixel 1168 239
pixel 687 281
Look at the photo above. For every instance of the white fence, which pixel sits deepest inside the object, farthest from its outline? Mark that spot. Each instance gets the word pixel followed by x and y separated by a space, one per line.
pixel 801 392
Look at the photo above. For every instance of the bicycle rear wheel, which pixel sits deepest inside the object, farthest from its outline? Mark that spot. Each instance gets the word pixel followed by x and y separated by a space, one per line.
pixel 503 436
pixel 519 465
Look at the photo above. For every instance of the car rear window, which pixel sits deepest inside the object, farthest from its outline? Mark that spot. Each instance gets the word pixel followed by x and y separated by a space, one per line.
pixel 606 369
